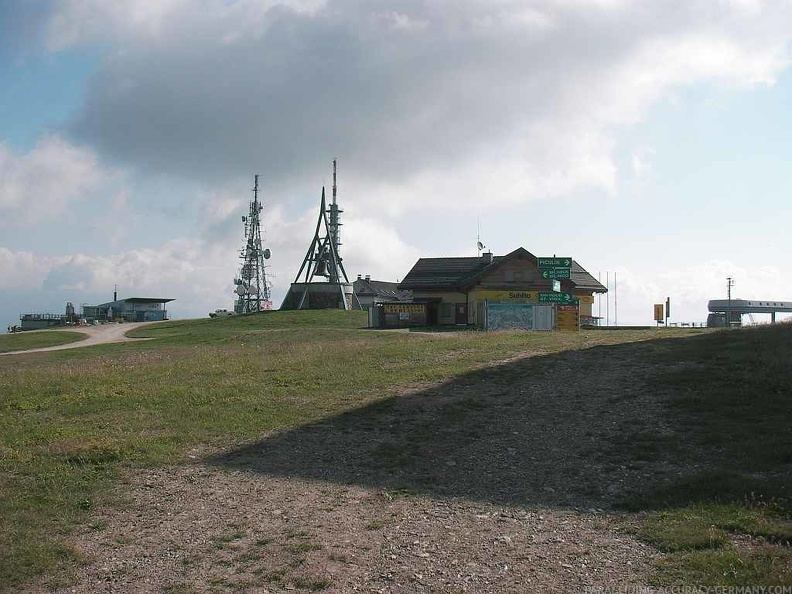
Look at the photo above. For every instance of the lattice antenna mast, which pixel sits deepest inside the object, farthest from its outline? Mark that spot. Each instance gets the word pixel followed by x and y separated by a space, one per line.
pixel 334 230
pixel 252 287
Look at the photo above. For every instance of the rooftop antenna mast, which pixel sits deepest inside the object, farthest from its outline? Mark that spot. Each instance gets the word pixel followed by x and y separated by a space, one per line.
pixel 252 288
pixel 479 246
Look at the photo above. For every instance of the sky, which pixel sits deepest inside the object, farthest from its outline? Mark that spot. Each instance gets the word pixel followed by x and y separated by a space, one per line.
pixel 648 140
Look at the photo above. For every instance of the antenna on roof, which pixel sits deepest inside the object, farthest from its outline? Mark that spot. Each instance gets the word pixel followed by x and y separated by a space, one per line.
pixel 479 246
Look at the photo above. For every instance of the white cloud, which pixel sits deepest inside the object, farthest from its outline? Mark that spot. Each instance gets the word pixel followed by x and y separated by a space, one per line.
pixel 46 181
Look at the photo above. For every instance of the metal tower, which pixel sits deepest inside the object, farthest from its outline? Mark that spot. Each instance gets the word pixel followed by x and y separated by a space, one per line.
pixel 323 259
pixel 252 289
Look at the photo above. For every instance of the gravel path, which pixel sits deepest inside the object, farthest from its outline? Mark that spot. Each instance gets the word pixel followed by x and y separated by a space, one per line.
pixel 194 529
pixel 102 334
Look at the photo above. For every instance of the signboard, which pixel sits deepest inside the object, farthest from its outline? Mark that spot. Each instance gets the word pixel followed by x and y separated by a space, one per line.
pixel 565 298
pixel 568 317
pixel 554 262
pixel 658 312
pixel 521 296
pixel 556 272
pixel 399 308
pixel 403 314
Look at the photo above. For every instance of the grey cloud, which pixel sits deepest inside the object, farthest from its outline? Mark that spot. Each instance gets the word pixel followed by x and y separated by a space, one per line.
pixel 393 94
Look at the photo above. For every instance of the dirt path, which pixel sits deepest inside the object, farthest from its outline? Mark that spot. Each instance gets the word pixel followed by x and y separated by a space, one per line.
pixel 102 334
pixel 194 529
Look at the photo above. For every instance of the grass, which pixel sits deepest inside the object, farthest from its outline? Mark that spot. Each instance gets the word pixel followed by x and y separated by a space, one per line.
pixel 70 420
pixel 22 341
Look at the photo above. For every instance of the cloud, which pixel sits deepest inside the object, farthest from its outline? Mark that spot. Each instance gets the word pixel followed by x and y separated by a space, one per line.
pixel 46 181
pixel 425 91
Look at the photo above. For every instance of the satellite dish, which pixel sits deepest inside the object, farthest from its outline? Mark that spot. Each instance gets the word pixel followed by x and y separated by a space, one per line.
pixel 253 291
pixel 267 254
pixel 241 290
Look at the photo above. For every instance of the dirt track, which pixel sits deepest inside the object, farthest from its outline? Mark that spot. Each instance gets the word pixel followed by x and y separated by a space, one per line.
pixel 103 334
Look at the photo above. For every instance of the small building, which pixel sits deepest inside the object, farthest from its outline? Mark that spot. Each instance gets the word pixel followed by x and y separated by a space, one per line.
pixel 495 292
pixel 372 292
pixel 131 309
pixel 41 321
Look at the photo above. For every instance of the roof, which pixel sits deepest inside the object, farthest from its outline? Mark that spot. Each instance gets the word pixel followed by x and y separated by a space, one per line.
pixel 146 300
pixel 462 273
pixel 382 289
pixel 583 280
pixel 137 300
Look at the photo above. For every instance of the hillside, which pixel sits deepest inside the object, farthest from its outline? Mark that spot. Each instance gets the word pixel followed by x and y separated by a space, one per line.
pixel 299 450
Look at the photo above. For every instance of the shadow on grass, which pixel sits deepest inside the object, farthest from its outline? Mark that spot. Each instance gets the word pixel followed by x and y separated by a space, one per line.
pixel 604 427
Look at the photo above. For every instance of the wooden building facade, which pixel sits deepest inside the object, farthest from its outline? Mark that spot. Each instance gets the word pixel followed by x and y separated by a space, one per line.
pixel 462 291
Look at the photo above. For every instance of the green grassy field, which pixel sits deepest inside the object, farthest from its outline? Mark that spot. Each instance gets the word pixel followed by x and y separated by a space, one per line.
pixel 71 419
pixel 21 341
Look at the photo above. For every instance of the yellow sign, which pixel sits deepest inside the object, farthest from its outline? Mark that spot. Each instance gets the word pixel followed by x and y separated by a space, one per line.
pixel 402 307
pixel 658 312
pixel 567 318
pixel 521 296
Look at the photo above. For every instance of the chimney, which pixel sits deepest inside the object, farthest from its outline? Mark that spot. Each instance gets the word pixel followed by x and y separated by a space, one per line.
pixel 368 277
pixel 359 276
pixel 487 257
pixel 115 293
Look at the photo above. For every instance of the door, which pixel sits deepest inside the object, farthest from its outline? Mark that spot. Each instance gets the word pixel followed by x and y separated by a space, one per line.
pixel 460 316
pixel 431 314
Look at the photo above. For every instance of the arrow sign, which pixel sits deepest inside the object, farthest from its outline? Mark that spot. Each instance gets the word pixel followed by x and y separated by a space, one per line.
pixel 554 262
pixel 564 298
pixel 556 272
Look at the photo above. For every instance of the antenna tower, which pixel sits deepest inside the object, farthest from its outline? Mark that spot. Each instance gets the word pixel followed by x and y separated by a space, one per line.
pixel 252 288
pixel 323 259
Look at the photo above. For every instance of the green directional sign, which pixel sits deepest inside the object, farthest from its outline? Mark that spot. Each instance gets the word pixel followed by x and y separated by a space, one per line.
pixel 556 272
pixel 554 262
pixel 563 298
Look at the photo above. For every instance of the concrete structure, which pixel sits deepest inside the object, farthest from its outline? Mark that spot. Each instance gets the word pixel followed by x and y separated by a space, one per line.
pixel 502 290
pixel 131 309
pixel 732 310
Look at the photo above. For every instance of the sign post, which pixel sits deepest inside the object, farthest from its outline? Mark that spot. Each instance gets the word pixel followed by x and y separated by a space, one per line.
pixel 561 298
pixel 658 313
pixel 667 310
pixel 554 262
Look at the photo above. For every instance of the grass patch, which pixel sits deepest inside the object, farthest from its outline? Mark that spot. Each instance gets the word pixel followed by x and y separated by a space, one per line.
pixel 23 341
pixel 765 566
